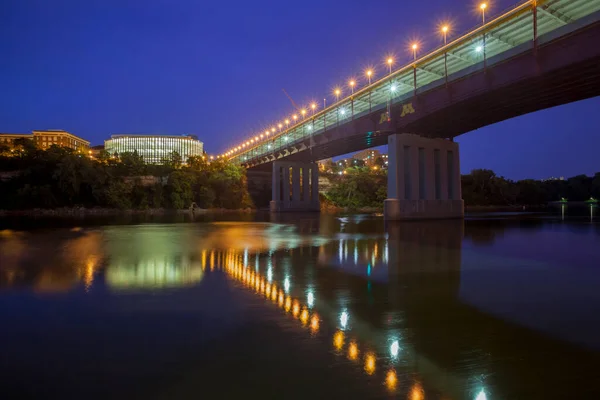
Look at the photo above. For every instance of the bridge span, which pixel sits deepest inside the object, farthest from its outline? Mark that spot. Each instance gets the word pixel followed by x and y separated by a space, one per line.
pixel 538 55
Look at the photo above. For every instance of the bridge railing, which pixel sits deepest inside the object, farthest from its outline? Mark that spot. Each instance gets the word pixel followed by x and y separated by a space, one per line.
pixel 502 38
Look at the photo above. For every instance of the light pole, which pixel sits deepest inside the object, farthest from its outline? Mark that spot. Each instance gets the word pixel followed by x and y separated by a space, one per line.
pixel 414 48
pixel 352 83
pixel 369 74
pixel 390 61
pixel 483 6
pixel 337 99
pixel 445 29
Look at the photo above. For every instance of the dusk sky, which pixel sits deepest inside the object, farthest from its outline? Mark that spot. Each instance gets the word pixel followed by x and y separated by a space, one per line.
pixel 216 69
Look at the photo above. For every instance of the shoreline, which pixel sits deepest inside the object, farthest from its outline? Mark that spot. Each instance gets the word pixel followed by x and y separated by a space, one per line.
pixel 82 211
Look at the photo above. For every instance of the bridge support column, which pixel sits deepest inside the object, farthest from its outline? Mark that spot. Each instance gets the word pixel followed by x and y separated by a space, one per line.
pixel 423 179
pixel 302 193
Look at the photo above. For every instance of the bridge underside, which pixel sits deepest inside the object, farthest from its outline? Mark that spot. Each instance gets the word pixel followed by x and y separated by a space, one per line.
pixel 554 73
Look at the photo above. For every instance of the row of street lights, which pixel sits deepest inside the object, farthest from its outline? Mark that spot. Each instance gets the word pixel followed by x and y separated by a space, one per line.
pixel 369 73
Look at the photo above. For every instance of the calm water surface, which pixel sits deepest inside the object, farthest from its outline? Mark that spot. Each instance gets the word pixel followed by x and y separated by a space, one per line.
pixel 301 306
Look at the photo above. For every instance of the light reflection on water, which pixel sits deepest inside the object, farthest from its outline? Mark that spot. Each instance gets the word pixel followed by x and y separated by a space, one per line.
pixel 412 306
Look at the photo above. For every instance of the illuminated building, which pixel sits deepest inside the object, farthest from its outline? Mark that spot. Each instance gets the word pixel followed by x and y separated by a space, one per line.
pixel 154 149
pixel 368 156
pixel 47 138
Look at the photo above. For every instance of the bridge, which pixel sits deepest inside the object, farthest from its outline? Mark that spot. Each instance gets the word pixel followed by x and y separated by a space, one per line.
pixel 537 55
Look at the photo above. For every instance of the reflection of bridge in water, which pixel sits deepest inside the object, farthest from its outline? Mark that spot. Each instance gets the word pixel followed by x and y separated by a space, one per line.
pixel 413 321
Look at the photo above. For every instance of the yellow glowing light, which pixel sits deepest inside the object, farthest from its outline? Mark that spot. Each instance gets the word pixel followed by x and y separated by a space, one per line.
pixel 303 112
pixel 304 316
pixel 280 126
pixel 287 121
pixel 262 136
pixel 416 393
pixel 273 130
pixel 314 323
pixel 352 351
pixel 313 106
pixel 251 140
pixel 247 143
pixel 274 294
pixel 369 73
pixel 288 304
pixel 337 92
pixel 483 6
pixel 352 83
pixel 280 300
pixel 268 290
pixel 415 46
pixel 445 28
pixel 294 117
pixel 390 61
pixel 370 363
pixel 296 309
pixel 338 340
pixel 391 380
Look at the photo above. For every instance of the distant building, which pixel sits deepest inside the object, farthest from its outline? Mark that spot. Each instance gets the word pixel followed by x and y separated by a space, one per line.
pixel 368 156
pixel 155 148
pixel 95 150
pixel 45 139
pixel 562 178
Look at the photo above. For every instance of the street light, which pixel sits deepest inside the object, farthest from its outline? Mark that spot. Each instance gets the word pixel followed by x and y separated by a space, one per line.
pixel 352 83
pixel 445 29
pixel 414 48
pixel 294 117
pixel 482 7
pixel 272 130
pixel 313 106
pixel 390 61
pixel 280 126
pixel 287 123
pixel 369 73
pixel 303 112
pixel 337 93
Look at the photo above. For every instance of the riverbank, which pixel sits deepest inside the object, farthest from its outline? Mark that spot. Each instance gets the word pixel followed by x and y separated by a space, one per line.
pixel 82 211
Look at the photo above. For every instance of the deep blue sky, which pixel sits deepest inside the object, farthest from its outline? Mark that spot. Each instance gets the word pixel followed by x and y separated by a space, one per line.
pixel 216 69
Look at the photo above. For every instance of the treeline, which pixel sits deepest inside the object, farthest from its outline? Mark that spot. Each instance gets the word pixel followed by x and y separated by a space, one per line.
pixel 364 187
pixel 59 177
pixel 482 187
pixel 357 187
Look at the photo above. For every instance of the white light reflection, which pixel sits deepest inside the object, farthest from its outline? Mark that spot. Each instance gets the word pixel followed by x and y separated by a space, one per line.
pixel 481 395
pixel 344 319
pixel 286 284
pixel 270 275
pixel 310 299
pixel 246 257
pixel 394 349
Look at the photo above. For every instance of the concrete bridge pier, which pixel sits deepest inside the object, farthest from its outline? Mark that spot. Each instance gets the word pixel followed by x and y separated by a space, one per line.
pixel 423 179
pixel 295 186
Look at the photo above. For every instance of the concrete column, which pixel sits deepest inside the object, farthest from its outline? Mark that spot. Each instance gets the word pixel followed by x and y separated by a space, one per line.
pixel 305 184
pixel 391 206
pixel 314 186
pixel 275 204
pixel 444 173
pixel 286 185
pixel 401 205
pixel 295 185
pixel 414 172
pixel 457 180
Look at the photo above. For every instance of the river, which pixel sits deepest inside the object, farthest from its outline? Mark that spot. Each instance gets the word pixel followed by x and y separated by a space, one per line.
pixel 502 306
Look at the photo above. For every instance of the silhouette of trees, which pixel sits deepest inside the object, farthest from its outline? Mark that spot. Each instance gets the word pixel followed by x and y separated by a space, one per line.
pixel 59 177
